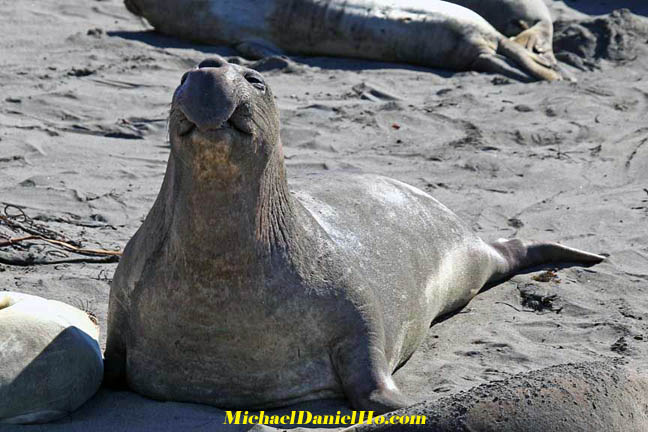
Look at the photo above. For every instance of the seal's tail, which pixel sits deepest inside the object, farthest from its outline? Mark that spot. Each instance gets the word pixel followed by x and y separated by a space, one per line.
pixel 514 256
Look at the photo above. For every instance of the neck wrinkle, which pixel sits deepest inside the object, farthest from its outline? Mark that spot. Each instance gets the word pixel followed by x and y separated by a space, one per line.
pixel 275 213
pixel 271 211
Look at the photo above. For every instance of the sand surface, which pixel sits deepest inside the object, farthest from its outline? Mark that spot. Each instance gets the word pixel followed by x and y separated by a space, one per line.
pixel 86 88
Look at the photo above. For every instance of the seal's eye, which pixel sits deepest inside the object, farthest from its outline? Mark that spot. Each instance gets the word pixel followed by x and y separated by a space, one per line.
pixel 184 78
pixel 256 81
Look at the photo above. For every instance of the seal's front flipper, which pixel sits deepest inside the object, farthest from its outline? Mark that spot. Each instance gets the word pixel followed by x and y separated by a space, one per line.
pixel 256 49
pixel 366 378
pixel 377 395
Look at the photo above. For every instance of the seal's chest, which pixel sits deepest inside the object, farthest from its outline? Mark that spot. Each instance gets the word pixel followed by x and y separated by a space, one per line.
pixel 239 356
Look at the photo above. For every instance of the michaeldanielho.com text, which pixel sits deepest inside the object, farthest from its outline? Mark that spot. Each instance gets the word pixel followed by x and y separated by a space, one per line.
pixel 308 418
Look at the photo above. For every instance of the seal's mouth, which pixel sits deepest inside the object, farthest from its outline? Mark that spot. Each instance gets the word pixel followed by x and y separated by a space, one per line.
pixel 214 100
pixel 186 127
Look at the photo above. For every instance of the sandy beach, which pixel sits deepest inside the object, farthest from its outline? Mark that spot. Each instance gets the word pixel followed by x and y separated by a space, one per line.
pixel 83 149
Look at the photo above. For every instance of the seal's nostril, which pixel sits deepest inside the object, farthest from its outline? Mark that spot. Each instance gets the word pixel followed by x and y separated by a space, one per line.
pixel 212 63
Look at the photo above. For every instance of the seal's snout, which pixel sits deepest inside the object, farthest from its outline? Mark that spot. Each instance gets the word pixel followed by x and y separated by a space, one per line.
pixel 219 99
pixel 209 95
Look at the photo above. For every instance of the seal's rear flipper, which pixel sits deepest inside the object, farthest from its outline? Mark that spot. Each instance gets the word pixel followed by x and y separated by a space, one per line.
pixel 514 256
pixel 529 62
pixel 537 39
pixel 497 64
pixel 565 74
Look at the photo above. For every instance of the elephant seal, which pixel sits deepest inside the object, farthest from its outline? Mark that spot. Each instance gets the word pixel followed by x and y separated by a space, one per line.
pixel 528 22
pixel 421 32
pixel 592 396
pixel 237 292
pixel 50 360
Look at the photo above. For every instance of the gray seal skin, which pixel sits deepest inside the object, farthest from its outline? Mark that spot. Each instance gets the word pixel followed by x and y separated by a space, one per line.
pixel 528 22
pixel 422 32
pixel 238 293
pixel 593 396
pixel 50 360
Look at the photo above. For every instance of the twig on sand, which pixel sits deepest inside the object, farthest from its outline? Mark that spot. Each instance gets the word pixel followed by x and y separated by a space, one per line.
pixel 26 223
pixel 19 221
pixel 64 245
pixel 31 260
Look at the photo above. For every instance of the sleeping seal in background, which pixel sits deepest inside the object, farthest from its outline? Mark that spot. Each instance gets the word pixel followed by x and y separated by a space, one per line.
pixel 50 360
pixel 241 292
pixel 528 22
pixel 422 32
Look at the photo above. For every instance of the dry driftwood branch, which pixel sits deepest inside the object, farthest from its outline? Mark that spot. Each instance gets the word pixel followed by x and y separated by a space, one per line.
pixel 37 232
pixel 30 261
pixel 64 245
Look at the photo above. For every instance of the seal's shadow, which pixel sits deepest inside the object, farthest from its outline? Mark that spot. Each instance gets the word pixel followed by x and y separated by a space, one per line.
pixel 111 411
pixel 355 64
pixel 600 7
pixel 158 40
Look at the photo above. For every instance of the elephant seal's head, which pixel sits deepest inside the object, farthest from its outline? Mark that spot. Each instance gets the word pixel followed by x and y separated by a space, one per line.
pixel 224 124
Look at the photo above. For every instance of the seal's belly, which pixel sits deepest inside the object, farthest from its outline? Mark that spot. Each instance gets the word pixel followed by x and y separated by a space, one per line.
pixel 417 31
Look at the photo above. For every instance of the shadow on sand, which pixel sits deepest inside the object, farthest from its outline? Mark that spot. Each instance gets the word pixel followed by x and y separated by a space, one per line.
pixel 113 411
pixel 158 40
pixel 600 7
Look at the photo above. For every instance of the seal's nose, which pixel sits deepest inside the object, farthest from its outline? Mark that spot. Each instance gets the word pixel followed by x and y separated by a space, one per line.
pixel 208 96
pixel 214 62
